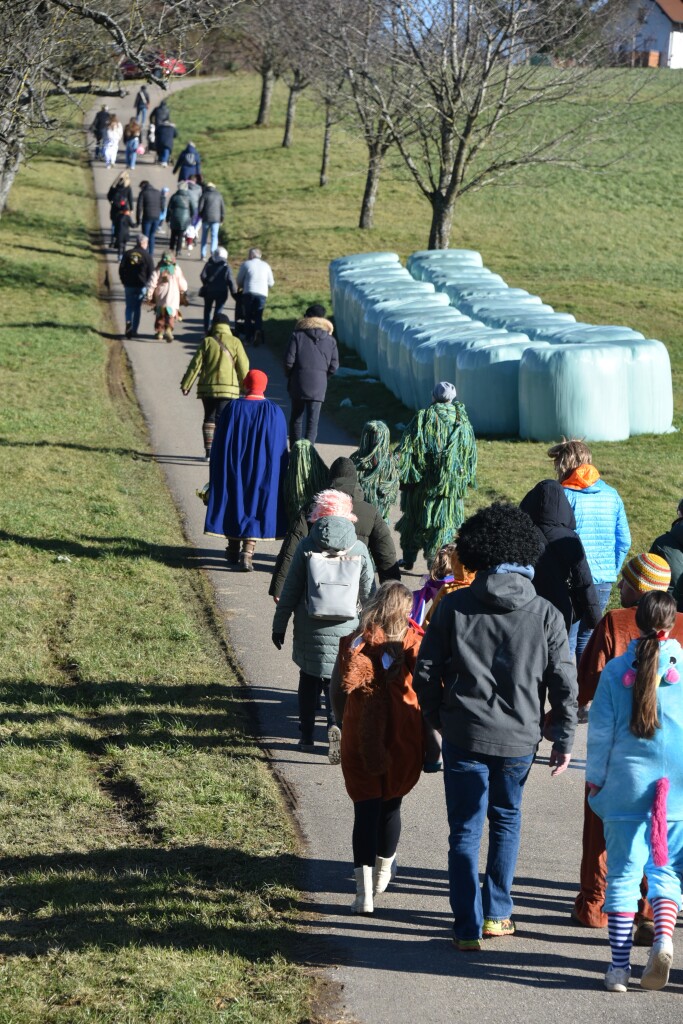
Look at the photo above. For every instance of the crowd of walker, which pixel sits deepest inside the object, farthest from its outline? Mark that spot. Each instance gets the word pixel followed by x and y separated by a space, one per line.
pixel 506 642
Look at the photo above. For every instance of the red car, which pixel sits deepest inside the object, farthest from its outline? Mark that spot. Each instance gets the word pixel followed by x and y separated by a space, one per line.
pixel 162 66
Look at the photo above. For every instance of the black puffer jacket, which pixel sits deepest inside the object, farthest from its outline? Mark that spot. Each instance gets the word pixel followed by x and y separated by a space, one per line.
pixel 370 528
pixel 311 358
pixel 562 574
pixel 150 204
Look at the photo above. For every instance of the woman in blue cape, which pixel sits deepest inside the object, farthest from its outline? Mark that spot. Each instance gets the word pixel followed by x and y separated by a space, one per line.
pixel 247 472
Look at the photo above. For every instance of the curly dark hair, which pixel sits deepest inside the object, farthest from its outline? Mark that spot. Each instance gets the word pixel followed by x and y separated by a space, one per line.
pixel 498 533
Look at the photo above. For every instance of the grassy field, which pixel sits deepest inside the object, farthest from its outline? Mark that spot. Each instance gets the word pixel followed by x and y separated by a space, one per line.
pixel 603 246
pixel 147 862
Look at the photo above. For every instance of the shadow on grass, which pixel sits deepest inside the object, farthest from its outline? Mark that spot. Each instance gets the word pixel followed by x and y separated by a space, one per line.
pixel 122 547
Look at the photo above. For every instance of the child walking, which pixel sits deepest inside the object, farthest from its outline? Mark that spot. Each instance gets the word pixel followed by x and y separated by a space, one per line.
pixel 634 772
pixel 382 747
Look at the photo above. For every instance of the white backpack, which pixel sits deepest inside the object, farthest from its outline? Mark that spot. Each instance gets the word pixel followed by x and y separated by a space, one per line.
pixel 332 584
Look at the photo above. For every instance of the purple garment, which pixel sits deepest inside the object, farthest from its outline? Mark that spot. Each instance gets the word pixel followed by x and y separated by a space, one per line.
pixel 421 598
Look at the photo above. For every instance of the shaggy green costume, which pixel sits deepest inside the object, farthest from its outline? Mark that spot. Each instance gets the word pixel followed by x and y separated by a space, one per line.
pixel 437 463
pixel 306 475
pixel 377 467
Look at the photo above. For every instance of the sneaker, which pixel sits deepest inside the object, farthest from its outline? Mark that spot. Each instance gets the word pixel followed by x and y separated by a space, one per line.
pixel 168 335
pixel 129 331
pixel 467 945
pixel 497 929
pixel 306 746
pixel 644 934
pixel 656 972
pixel 334 740
pixel 405 566
pixel 616 979
pixel 159 336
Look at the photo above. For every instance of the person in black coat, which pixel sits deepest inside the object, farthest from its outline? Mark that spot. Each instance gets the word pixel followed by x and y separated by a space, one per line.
pixel 370 528
pixel 311 359
pixel 151 203
pixel 562 575
pixel 166 133
pixel 217 281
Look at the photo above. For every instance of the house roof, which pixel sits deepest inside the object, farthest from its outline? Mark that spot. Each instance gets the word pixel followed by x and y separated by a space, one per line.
pixel 672 8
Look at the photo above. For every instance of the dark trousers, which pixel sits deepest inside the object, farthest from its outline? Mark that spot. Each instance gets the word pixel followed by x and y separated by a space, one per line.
pixel 149 228
pixel 376 830
pixel 176 240
pixel 210 312
pixel 253 306
pixel 213 407
pixel 310 688
pixel 304 409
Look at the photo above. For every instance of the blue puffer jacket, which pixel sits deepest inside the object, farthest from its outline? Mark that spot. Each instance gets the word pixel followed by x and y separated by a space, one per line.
pixel 625 766
pixel 600 522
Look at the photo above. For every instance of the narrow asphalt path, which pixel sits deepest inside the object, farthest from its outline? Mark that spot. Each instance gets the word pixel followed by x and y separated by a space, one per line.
pixel 397 966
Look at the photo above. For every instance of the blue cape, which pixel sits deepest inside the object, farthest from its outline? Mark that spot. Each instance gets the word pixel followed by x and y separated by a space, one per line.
pixel 247 471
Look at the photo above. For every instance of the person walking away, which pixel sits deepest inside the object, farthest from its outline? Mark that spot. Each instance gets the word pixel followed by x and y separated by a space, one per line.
pixel 123 233
pixel 164 138
pixel 178 216
pixel 561 574
pixel 437 463
pixel 131 138
pixel 488 650
pixel 142 104
pixel 641 575
pixel 194 191
pixel 212 214
pixel 164 291
pixel 188 163
pixel 306 475
pixel 150 206
pixel 98 128
pixel 135 270
pixel 634 773
pixel 310 360
pixel 331 552
pixel 670 546
pixel 600 523
pixel 219 366
pixel 370 529
pixel 112 139
pixel 377 467
pixel 217 283
pixel 120 196
pixel 160 114
pixel 254 278
pixel 246 473
pixel 382 747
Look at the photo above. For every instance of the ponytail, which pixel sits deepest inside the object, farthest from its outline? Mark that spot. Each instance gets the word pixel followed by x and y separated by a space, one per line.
pixel 656 613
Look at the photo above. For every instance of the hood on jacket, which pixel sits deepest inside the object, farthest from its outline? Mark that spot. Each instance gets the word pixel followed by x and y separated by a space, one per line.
pixel 503 592
pixel 222 331
pixel 547 505
pixel 582 478
pixel 314 323
pixel 343 476
pixel 333 534
pixel 670 663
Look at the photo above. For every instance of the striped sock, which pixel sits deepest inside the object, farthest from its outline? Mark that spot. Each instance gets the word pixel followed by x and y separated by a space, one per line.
pixel 620 928
pixel 666 912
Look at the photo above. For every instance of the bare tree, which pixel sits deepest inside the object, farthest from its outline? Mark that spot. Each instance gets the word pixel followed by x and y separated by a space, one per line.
pixel 256 36
pixel 483 81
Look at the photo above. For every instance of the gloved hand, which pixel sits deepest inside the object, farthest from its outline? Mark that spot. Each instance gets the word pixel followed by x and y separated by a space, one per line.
pixel 278 639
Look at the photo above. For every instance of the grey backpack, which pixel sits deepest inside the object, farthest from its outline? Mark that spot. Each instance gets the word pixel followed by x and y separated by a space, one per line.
pixel 332 584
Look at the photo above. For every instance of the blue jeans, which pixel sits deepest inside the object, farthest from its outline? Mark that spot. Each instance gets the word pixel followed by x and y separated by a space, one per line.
pixel 134 297
pixel 149 228
pixel 253 306
pixel 141 114
pixel 131 153
pixel 164 155
pixel 579 635
pixel 480 786
pixel 208 315
pixel 213 228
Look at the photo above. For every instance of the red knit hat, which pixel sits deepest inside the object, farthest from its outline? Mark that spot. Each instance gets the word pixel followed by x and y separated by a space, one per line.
pixel 255 383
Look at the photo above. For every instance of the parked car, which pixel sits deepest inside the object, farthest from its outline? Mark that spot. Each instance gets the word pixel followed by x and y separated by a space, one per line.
pixel 162 66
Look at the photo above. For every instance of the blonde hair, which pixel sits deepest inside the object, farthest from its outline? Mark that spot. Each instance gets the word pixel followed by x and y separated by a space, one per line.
pixel 442 565
pixel 568 455
pixel 656 611
pixel 388 609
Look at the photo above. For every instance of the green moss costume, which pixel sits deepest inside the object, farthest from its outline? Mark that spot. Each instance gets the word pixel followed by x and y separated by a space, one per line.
pixel 437 463
pixel 377 467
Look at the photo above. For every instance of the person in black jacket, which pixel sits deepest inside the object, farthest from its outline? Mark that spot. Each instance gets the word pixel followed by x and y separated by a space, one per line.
pixel 120 196
pixel 160 113
pixel 135 270
pixel 149 208
pixel 99 127
pixel 217 281
pixel 165 135
pixel 562 574
pixel 311 359
pixel 370 528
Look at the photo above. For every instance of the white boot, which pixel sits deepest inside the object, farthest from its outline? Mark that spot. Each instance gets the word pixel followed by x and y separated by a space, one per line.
pixel 383 872
pixel 363 901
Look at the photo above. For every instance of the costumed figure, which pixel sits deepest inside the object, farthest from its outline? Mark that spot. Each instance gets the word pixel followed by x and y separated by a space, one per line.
pixel 247 469
pixel 437 463
pixel 634 772
pixel 306 475
pixel 377 467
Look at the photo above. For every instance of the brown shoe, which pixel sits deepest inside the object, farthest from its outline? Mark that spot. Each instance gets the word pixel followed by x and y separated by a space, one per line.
pixel 245 559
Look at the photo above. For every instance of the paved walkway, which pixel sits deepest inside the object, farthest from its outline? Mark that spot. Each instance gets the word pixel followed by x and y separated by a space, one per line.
pixel 396 967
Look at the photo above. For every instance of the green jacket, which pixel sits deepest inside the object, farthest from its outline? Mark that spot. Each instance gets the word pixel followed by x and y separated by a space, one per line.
pixel 219 373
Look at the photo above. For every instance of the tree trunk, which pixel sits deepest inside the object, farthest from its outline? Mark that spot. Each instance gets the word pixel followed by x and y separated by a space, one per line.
pixel 326 144
pixel 442 221
pixel 267 86
pixel 367 210
pixel 291 113
pixel 10 161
